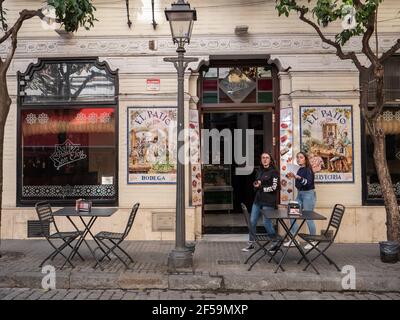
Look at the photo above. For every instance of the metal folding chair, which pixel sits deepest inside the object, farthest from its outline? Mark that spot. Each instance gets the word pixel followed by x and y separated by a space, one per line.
pixel 260 239
pixel 326 237
pixel 116 239
pixel 45 215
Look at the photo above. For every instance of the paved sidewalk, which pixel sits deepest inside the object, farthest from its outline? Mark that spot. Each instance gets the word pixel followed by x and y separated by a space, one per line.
pixel 218 266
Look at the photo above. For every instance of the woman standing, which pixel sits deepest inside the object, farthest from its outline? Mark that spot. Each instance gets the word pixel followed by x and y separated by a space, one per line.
pixel 266 187
pixel 306 193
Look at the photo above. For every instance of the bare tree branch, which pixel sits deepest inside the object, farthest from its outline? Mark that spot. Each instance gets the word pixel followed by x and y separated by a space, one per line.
pixel 85 82
pixel 13 32
pixel 344 56
pixel 390 52
pixel 366 48
pixel 364 89
pixel 380 96
pixel 23 15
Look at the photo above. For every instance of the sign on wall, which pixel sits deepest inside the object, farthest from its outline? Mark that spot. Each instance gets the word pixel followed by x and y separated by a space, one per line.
pixel 286 153
pixel 327 138
pixel 153 84
pixel 195 166
pixel 152 144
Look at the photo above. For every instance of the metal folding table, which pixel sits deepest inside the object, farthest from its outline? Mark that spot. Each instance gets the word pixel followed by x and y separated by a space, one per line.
pixel 281 215
pixel 95 213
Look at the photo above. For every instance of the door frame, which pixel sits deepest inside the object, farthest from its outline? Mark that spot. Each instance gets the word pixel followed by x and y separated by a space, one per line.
pixel 275 145
pixel 243 107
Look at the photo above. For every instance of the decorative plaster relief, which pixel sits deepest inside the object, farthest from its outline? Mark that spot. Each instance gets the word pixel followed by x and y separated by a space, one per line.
pixel 200 44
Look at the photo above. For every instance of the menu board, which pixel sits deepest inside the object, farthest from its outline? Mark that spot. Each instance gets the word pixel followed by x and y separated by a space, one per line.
pixel 286 153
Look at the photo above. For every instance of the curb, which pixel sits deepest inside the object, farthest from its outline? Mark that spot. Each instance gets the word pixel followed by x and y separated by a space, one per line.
pixel 204 282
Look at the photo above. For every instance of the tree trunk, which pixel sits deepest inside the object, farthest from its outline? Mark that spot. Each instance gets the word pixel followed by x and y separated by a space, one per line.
pixel 5 102
pixel 379 141
pixel 385 180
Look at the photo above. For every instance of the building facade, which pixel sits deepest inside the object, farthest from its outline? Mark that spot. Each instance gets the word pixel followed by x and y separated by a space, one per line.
pixel 92 114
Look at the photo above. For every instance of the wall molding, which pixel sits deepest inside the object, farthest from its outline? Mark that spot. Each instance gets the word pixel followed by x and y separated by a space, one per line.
pixel 200 45
pixel 131 54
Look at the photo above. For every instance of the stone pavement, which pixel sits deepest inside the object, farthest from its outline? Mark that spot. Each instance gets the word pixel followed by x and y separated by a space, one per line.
pixel 156 294
pixel 218 266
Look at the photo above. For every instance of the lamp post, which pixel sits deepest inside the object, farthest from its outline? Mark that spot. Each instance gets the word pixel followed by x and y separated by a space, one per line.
pixel 181 18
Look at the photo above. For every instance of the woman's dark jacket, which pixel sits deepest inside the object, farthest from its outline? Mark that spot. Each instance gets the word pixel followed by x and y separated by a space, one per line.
pixel 306 182
pixel 267 193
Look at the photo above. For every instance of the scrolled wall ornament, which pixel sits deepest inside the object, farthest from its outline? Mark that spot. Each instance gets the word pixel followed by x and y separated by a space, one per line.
pixel 109 46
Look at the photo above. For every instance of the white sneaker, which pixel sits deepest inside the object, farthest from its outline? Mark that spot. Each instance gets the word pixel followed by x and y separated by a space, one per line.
pixel 309 246
pixel 289 244
pixel 249 247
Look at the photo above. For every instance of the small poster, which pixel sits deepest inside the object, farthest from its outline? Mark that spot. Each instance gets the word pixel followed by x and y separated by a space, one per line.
pixel 327 138
pixel 152 145
pixel 195 166
pixel 153 84
pixel 107 180
pixel 286 153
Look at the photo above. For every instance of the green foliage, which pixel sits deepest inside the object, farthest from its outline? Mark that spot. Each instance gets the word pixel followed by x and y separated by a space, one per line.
pixel 326 11
pixel 285 6
pixel 74 13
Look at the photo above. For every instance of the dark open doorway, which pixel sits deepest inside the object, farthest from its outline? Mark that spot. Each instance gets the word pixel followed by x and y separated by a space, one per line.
pixel 224 190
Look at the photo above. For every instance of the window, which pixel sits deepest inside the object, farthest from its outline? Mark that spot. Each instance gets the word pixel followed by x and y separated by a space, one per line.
pixel 390 119
pixel 237 84
pixel 67 133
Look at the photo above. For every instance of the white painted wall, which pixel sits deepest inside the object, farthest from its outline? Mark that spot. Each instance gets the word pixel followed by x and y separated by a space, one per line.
pixel 316 76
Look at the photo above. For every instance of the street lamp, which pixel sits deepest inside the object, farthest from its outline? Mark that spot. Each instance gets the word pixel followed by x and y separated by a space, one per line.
pixel 181 18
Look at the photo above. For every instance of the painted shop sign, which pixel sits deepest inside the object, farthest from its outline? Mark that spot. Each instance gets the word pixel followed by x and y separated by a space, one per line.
pixel 327 138
pixel 152 145
pixel 67 153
